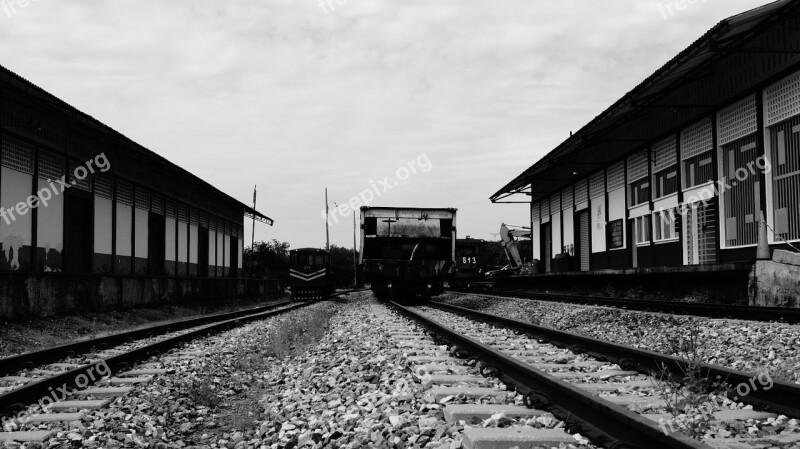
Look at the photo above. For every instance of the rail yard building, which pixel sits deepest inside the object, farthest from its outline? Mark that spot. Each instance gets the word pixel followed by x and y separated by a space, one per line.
pixel 92 220
pixel 676 175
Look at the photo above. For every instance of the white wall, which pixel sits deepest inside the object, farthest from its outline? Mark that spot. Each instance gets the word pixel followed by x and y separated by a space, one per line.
pixel 15 187
pixel 569 227
pixel 536 240
pixel 124 229
pixel 597 220
pixel 183 231
pixel 169 237
pixel 555 224
pixel 50 221
pixel 192 244
pixel 102 225
pixel 141 233
pixel 212 250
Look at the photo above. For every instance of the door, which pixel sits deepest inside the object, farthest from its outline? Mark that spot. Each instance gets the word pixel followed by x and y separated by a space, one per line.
pixel 583 240
pixel 78 228
pixel 701 234
pixel 547 246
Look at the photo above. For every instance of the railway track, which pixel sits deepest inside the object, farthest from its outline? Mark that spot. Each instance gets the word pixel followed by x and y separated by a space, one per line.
pixel 752 313
pixel 42 381
pixel 589 384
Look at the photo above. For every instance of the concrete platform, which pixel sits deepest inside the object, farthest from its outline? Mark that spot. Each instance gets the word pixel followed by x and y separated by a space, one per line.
pixel 80 405
pixel 34 436
pixel 436 394
pixel 510 437
pixel 457 412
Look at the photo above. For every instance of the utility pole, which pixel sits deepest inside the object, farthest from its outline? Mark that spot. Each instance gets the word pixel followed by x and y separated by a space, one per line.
pixel 355 262
pixel 327 215
pixel 253 235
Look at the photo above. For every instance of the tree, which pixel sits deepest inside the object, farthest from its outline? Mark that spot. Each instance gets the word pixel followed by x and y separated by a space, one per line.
pixel 268 260
pixel 342 266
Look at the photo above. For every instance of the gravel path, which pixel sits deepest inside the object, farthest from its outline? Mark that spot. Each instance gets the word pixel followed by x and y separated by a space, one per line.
pixel 743 345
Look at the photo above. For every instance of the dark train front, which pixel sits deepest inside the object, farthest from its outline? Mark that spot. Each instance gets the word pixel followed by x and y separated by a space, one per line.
pixel 472 264
pixel 407 253
pixel 310 274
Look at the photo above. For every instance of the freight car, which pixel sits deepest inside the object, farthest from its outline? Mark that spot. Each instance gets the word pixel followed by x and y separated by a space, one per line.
pixel 310 274
pixel 407 252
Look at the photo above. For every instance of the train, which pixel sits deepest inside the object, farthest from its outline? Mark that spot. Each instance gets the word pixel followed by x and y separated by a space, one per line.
pixel 310 274
pixel 407 253
pixel 473 260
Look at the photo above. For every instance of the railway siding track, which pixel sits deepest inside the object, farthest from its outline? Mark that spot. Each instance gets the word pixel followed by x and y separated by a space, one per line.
pixel 606 421
pixel 735 311
pixel 73 380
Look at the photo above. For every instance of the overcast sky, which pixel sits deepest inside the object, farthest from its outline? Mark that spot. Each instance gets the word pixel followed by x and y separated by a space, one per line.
pixel 299 95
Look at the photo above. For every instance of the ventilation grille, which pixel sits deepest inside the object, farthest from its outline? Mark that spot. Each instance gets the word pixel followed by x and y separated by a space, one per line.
pixel 782 100
pixel 194 217
pixel 696 139
pixel 737 121
pixel 51 166
pixel 664 154
pixel 582 191
pixel 17 155
pixel 124 193
pixel 183 214
pixel 142 199
pixel 203 220
pixel 616 176
pixel 567 199
pixel 545 209
pixel 555 203
pixel 536 213
pixel 102 186
pixel 597 184
pixel 212 224
pixel 240 232
pixel 170 208
pixel 83 184
pixel 157 203
pixel 637 167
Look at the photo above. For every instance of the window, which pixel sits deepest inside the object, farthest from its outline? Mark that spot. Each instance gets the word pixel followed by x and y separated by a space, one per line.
pixel 665 225
pixel 640 192
pixel 642 228
pixel 666 182
pixel 615 236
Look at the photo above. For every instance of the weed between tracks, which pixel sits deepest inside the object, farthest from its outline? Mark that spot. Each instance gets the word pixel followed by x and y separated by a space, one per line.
pixel 692 396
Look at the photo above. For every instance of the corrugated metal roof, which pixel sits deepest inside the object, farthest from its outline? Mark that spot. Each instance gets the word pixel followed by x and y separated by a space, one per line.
pixel 638 104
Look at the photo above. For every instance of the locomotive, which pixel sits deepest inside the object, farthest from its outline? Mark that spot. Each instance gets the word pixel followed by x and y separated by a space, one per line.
pixel 407 252
pixel 310 274
pixel 472 264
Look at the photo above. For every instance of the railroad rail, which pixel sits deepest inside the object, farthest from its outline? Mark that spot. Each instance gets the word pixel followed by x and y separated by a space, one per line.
pixel 604 422
pixel 30 392
pixel 752 313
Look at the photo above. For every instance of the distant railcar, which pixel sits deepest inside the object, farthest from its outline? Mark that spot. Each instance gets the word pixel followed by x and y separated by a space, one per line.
pixel 310 274
pixel 407 252
pixel 472 263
